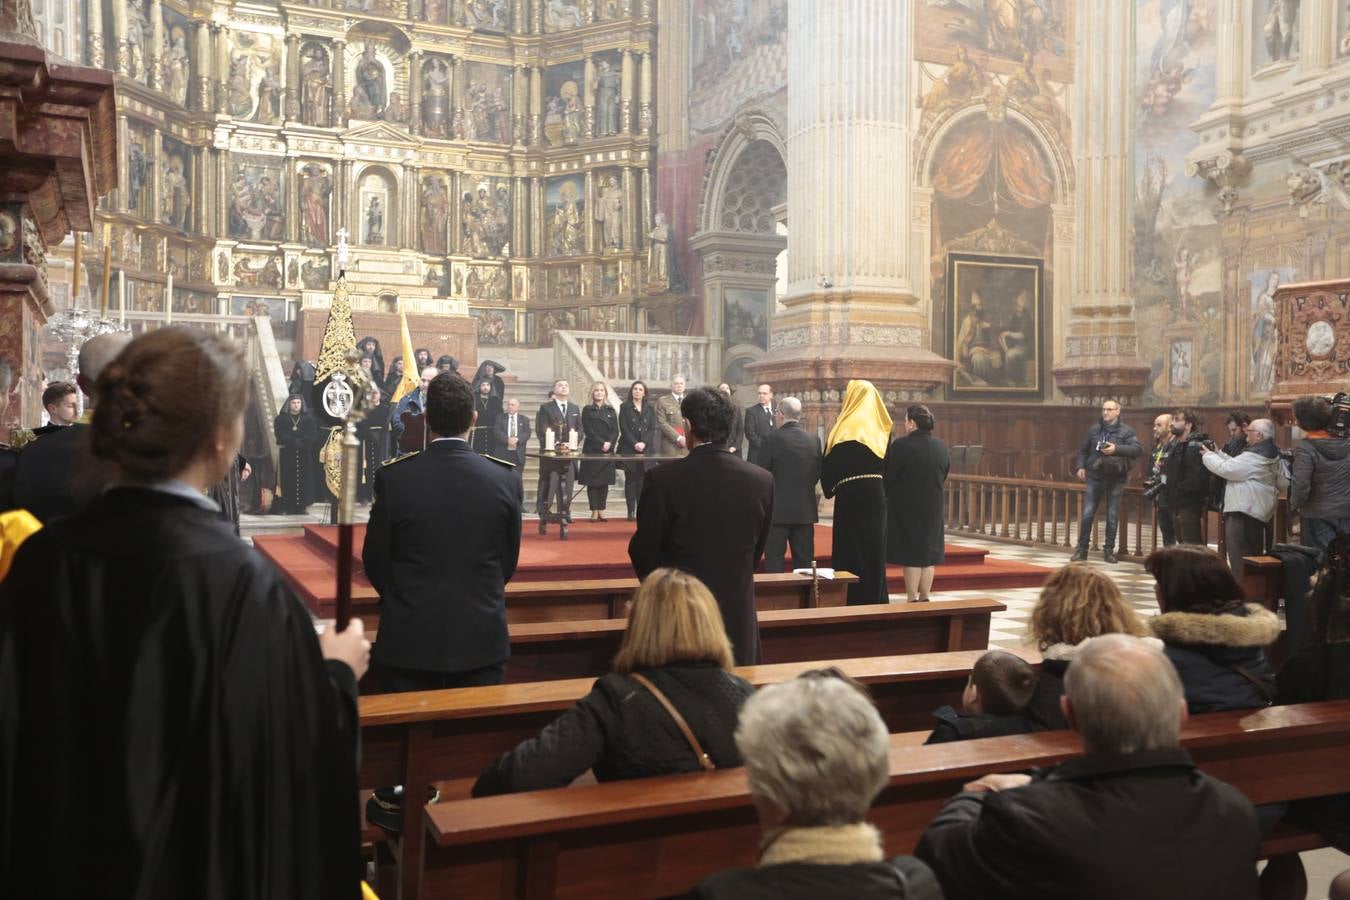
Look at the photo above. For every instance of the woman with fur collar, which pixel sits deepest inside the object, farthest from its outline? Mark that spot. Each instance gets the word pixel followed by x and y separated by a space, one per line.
pixel 1215 640
pixel 1077 603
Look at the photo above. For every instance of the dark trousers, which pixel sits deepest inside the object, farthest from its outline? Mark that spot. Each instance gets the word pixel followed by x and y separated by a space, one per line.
pixel 1320 533
pixel 1098 492
pixel 399 681
pixel 633 473
pixel 1188 521
pixel 802 539
pixel 597 495
pixel 555 485
pixel 1244 536
pixel 1166 525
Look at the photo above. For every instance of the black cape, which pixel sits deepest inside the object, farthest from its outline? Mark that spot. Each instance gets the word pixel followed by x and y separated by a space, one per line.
pixel 162 694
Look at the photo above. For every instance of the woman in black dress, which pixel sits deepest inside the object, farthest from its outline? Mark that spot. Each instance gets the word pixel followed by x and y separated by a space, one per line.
pixel 916 478
pixel 600 430
pixel 637 431
pixel 854 460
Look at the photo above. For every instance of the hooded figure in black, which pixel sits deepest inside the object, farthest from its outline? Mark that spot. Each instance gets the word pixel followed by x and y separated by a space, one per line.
pixel 296 435
pixel 369 346
pixel 490 371
pixel 159 683
pixel 302 381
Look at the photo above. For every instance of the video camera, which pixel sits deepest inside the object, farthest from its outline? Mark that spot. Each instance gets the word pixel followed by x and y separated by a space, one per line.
pixel 1340 416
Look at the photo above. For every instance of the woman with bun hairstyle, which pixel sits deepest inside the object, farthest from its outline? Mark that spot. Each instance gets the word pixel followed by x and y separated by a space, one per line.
pixel 159 683
pixel 916 502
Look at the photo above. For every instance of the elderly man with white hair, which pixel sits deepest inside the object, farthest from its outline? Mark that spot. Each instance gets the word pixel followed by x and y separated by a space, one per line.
pixel 816 755
pixel 794 457
pixel 1252 483
pixel 1132 817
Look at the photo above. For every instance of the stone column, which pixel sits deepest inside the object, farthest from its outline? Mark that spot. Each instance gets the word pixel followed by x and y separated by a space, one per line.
pixel 222 40
pixel 536 105
pixel 293 64
pixel 537 218
pixel 201 81
pixel 1101 356
pixel 627 71
pixel 1229 58
pixel 154 62
pixel 458 125
pixel 121 53
pixel 94 18
pixel 588 98
pixel 520 83
pixel 339 117
pixel 645 219
pixel 1317 38
pixel 588 245
pixel 536 17
pixel 629 208
pixel 851 310
pixel 520 219
pixel 672 94
pixel 415 91
pixel 645 94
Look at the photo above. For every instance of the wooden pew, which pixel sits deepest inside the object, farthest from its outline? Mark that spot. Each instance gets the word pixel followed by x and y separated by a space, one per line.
pixel 659 836
pixel 1262 581
pixel 417 739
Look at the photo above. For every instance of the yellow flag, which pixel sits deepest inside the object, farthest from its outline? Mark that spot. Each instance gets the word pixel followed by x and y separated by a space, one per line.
pixel 412 379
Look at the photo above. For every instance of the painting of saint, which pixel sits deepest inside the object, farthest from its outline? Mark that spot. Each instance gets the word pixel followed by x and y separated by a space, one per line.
pixel 564 111
pixel 1182 354
pixel 435 213
pixel 564 205
pixel 316 185
pixel 994 329
pixel 488 98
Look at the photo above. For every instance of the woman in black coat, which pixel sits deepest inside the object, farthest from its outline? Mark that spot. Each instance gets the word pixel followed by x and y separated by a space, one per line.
pixel 637 431
pixel 852 474
pixel 620 730
pixel 600 429
pixel 916 478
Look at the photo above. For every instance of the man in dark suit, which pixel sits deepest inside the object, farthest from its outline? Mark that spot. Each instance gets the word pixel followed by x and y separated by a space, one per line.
pixel 54 475
pixel 709 514
pixel 62 407
pixel 510 435
pixel 759 423
pixel 793 456
pixel 442 579
pixel 562 417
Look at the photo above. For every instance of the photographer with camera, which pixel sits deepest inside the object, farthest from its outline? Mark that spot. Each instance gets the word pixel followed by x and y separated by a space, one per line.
pixel 1104 461
pixel 1253 483
pixel 1186 479
pixel 1320 492
pixel 1236 423
pixel 1163 441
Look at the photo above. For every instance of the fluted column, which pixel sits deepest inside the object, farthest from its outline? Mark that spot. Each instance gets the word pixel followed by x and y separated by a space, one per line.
pixel 415 91
pixel 94 19
pixel 293 76
pixel 121 53
pixel 201 81
pixel 627 85
pixel 852 310
pixel 520 219
pixel 536 217
pixel 1102 347
pixel 589 230
pixel 339 117
pixel 1229 75
pixel 154 61
pixel 645 94
pixel 1317 37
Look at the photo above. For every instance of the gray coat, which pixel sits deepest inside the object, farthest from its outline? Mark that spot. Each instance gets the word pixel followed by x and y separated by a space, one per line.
pixel 1321 479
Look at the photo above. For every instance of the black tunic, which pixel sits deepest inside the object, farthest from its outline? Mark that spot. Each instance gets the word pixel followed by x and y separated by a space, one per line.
pixel 859 518
pixel 296 478
pixel 488 409
pixel 916 476
pixel 162 690
pixel 600 426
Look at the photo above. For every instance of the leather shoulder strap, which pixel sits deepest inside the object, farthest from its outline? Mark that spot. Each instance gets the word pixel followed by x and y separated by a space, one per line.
pixel 703 759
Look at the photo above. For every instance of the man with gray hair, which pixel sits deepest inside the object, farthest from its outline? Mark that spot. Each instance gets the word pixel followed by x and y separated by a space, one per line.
pixel 793 456
pixel 816 755
pixel 54 476
pixel 1132 817
pixel 1252 484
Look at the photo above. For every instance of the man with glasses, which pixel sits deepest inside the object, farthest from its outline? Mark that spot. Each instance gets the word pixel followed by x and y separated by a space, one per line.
pixel 1103 462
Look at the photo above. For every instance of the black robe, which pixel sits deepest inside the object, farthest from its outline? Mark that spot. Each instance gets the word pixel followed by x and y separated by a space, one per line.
pixel 296 440
pixel 374 434
pixel 599 426
pixel 916 500
pixel 859 518
pixel 162 695
pixel 488 409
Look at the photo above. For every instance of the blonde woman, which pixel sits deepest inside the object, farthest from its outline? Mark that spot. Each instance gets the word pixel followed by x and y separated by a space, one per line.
pixel 854 462
pixel 1077 603
pixel 676 642
pixel 600 428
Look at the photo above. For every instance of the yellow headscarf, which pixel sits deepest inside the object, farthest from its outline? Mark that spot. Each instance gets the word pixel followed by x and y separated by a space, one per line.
pixel 16 526
pixel 864 419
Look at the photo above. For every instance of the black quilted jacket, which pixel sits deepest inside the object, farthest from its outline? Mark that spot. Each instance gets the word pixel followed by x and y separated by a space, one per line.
pixel 621 731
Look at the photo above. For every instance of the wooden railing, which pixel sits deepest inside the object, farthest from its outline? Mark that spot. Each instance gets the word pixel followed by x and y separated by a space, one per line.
pixel 1047 513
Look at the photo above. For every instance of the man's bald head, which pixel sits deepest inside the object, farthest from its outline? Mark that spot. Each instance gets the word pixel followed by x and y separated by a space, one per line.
pixel 95 354
pixel 1122 695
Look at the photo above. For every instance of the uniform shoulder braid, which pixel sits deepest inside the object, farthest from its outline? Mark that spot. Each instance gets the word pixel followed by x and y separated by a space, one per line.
pixel 398 459
pixel 500 462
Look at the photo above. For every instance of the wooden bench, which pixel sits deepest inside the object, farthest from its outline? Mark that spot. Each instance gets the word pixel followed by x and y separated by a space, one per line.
pixel 432 737
pixel 659 836
pixel 1262 580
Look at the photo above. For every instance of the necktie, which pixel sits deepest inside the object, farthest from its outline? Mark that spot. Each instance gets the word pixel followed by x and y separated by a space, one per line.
pixel 562 410
pixel 513 427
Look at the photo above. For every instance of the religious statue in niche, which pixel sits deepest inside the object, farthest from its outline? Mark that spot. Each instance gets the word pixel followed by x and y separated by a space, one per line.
pixel 395 111
pixel 136 171
pixel 175 198
pixel 316 85
pixel 436 98
pixel 658 254
pixel 176 65
pixel 609 213
pixel 1264 335
pixel 370 95
pixel 269 97
pixel 486 220
pixel 565 204
pixel 373 221
pixel 958 84
pixel 138 36
pixel 607 87
pixel 485 14
pixel 435 214
pixel 563 15
pixel 316 186
pixel 255 209
pixel 1279 29
pixel 434 11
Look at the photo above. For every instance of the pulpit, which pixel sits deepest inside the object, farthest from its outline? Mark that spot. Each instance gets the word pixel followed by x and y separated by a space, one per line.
pixel 1311 342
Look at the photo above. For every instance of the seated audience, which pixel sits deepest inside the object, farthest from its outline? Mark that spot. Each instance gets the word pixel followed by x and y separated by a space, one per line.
pixel 1320 488
pixel 816 756
pixel 994 702
pixel 1132 817
pixel 622 729
pixel 1077 603
pixel 160 684
pixel 1215 640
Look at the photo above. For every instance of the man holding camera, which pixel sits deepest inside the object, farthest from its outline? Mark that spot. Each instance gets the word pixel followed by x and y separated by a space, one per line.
pixel 1154 485
pixel 1104 463
pixel 1186 478
pixel 1320 493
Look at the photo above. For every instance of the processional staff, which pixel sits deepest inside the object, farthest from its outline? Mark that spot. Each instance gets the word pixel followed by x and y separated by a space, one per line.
pixel 349 396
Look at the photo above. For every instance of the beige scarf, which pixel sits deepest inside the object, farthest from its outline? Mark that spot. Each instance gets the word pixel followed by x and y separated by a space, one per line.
pixel 838 845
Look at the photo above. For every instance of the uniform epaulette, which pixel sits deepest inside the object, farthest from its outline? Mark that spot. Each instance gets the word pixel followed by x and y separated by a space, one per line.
pixel 21 437
pixel 397 459
pixel 500 462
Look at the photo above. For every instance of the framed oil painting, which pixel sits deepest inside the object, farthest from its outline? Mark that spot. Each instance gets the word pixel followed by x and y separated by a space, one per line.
pixel 995 326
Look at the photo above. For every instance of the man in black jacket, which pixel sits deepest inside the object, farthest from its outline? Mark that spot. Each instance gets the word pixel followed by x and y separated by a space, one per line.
pixel 1104 463
pixel 1132 817
pixel 793 456
pixel 561 416
pixel 442 579
pixel 511 435
pixel 759 423
pixel 1187 481
pixel 709 514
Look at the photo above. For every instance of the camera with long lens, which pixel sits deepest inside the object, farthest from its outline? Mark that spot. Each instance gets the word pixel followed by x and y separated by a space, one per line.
pixel 1101 446
pixel 1153 486
pixel 1340 416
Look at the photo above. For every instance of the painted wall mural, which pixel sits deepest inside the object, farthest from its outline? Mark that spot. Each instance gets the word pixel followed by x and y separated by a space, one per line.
pixel 737 53
pixel 255 196
pixel 1008 31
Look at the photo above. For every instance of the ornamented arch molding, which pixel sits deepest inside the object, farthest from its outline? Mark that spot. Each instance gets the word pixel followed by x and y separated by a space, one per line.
pixel 747 128
pixel 1048 140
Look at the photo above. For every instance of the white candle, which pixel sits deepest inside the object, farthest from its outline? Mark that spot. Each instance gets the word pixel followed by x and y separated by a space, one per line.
pixel 168 301
pixel 122 296
pixel 572 439
pixel 548 439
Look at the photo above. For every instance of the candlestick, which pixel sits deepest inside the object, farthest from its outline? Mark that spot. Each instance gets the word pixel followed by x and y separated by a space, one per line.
pixel 168 301
pixel 75 272
pixel 121 296
pixel 107 270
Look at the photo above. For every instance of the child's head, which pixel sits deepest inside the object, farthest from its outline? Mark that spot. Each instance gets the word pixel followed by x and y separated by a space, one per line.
pixel 1001 684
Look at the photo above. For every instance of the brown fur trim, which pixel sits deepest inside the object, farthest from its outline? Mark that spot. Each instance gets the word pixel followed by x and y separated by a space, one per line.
pixel 1259 628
